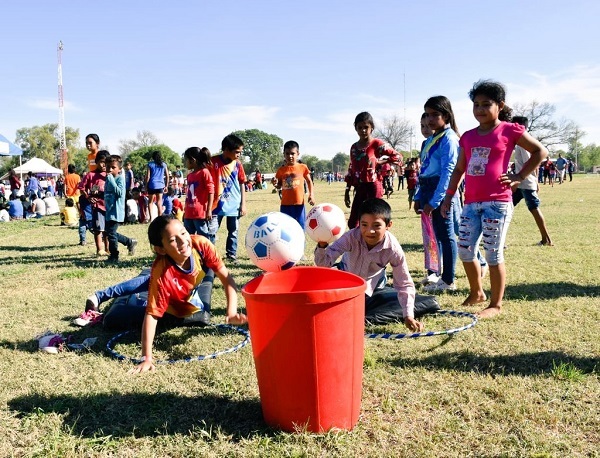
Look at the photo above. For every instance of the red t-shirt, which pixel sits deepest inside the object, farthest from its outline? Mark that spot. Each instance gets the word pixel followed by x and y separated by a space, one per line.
pixel 363 161
pixel 487 158
pixel 173 290
pixel 200 185
pixel 93 185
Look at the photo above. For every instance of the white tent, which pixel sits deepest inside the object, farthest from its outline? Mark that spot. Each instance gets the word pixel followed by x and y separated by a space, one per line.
pixel 38 166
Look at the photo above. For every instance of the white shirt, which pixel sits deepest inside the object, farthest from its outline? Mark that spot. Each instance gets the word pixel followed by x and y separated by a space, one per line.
pixel 40 206
pixel 51 205
pixel 521 156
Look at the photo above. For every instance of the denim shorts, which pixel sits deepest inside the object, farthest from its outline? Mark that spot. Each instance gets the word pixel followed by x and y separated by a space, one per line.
pixel 487 220
pixel 98 220
pixel 531 197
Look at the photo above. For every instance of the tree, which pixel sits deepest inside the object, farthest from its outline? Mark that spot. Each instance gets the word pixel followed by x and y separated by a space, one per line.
pixel 140 157
pixel 262 150
pixel 588 157
pixel 143 139
pixel 340 163
pixel 323 166
pixel 396 132
pixel 543 126
pixel 44 142
pixel 575 148
pixel 78 157
pixel 310 161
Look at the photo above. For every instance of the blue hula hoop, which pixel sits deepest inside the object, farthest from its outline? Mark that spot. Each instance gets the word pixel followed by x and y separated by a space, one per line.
pixel 120 357
pixel 430 333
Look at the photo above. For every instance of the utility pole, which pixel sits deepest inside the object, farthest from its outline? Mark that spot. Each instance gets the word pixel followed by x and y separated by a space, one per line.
pixel 61 114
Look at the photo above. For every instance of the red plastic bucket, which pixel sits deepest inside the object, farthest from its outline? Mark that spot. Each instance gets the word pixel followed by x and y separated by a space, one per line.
pixel 307 331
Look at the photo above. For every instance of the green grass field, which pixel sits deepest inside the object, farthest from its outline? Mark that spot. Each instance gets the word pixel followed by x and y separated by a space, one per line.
pixel 526 383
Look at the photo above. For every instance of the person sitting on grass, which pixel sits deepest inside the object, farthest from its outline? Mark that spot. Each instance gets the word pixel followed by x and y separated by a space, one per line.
pixel 366 250
pixel 179 286
pixel 68 215
pixel 38 207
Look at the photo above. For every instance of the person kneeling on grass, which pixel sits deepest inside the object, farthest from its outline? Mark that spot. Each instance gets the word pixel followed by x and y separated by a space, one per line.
pixel 179 285
pixel 366 251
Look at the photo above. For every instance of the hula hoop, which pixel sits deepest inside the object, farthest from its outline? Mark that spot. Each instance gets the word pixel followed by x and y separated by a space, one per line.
pixel 431 333
pixel 243 343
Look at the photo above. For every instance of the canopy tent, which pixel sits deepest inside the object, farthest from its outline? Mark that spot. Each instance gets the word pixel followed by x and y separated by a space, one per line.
pixel 8 148
pixel 38 166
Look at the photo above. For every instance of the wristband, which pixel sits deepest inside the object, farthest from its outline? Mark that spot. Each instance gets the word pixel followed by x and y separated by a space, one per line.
pixel 450 193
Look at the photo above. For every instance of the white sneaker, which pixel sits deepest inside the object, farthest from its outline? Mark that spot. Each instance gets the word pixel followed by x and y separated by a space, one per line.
pixel 429 279
pixel 91 303
pixel 88 317
pixel 441 285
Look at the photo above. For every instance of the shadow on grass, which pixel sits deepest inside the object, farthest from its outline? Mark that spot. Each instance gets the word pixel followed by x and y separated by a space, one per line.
pixel 74 260
pixel 525 364
pixel 146 415
pixel 537 291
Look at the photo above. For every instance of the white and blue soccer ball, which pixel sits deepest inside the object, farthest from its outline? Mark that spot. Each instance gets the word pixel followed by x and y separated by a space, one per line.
pixel 275 242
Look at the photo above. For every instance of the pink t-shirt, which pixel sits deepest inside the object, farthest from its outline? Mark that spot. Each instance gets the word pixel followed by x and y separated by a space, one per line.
pixel 487 158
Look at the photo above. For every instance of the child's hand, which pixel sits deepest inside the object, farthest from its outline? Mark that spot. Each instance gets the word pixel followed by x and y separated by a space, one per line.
pixel 413 325
pixel 511 179
pixel 347 198
pixel 311 201
pixel 445 208
pixel 145 366
pixel 417 207
pixel 237 319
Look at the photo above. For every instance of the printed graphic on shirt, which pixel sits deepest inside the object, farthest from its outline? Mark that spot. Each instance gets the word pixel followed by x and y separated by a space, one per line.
pixel 479 160
pixel 291 181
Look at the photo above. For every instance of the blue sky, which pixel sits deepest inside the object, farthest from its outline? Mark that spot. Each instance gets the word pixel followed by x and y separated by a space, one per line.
pixel 191 72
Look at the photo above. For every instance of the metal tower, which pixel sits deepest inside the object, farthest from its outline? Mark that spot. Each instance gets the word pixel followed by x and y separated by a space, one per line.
pixel 64 159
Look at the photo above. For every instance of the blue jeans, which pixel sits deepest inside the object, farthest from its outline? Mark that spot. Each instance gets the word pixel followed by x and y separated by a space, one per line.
pixel 200 227
pixel 129 310
pixel 446 241
pixel 297 212
pixel 114 238
pixel 136 285
pixel 232 234
pixel 457 210
pixel 487 220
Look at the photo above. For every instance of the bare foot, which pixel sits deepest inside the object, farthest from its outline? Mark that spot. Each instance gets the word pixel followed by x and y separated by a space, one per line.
pixel 475 299
pixel 489 312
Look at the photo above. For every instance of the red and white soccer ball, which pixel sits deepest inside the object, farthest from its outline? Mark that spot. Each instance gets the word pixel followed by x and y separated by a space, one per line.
pixel 325 223
pixel 275 242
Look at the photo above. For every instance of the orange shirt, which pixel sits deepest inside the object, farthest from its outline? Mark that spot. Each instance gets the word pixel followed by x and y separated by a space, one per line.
pixel 292 178
pixel 91 157
pixel 72 180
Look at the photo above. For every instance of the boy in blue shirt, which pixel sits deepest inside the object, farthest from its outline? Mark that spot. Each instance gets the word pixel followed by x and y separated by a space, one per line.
pixel 230 198
pixel 114 200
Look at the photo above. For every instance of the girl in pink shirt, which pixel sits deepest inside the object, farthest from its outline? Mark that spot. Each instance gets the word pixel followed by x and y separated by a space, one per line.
pixel 483 160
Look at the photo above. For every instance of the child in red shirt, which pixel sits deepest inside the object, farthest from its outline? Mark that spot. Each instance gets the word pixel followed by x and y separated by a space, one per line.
pixel 92 187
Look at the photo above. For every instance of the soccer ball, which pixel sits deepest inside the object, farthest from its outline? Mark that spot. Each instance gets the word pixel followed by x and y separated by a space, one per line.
pixel 274 242
pixel 325 223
